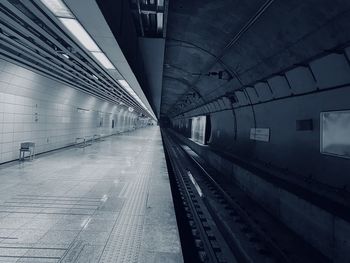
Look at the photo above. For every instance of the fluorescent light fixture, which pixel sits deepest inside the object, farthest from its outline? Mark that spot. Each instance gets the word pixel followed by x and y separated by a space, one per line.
pixel 78 31
pixel 65 55
pixel 123 82
pixel 62 12
pixel 127 87
pixel 101 57
pixel 58 8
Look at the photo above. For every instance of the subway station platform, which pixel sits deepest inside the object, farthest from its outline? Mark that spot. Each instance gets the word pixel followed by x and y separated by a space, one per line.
pixel 108 202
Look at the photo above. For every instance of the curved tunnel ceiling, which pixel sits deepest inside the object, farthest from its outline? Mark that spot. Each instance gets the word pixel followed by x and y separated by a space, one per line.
pixel 215 47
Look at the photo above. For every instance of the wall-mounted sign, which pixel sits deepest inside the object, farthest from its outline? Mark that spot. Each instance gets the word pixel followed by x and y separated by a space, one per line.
pixel 335 133
pixel 260 134
pixel 81 110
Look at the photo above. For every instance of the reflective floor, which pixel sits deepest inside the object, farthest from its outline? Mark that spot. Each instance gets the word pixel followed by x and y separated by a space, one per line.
pixel 107 202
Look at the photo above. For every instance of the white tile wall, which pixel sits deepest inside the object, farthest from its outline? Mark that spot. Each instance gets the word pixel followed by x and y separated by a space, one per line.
pixel 41 110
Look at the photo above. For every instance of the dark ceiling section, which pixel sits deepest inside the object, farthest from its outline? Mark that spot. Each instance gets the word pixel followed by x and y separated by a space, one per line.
pixel 119 18
pixel 215 47
pixel 149 17
pixel 196 34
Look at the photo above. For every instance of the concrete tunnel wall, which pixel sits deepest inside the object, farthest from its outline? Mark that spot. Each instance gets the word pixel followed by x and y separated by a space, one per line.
pixel 323 84
pixel 296 152
pixel 51 114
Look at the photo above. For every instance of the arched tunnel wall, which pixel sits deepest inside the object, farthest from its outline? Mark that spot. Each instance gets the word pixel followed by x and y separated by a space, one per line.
pixel 287 68
pixel 294 151
pixel 51 114
pixel 287 174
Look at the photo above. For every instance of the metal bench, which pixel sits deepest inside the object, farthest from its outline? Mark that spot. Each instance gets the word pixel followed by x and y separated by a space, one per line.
pixel 27 147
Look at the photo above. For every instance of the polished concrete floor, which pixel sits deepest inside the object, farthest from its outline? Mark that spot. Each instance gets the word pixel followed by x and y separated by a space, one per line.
pixel 107 202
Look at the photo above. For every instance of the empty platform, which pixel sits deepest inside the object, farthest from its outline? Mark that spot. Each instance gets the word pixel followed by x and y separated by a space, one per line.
pixel 108 202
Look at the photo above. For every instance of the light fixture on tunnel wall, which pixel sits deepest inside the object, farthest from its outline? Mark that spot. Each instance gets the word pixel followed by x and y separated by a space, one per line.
pixel 66 17
pixel 131 109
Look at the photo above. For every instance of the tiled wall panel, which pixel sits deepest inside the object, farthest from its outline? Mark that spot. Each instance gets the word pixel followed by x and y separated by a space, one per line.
pixel 41 110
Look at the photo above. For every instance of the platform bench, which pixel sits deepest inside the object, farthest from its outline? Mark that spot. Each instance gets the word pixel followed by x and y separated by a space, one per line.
pixel 27 147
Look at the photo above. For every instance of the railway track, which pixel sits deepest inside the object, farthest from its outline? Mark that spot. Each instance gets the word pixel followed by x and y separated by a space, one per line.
pixel 226 224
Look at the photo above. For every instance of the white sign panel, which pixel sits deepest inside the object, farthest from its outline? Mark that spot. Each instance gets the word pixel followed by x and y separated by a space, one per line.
pixel 260 134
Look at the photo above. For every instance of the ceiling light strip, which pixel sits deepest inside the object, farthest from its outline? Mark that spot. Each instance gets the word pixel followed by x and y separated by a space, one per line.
pixel 46 21
pixel 62 12
pixel 112 87
pixel 127 87
pixel 58 8
pixel 65 16
pixel 77 30
pixel 116 97
pixel 40 31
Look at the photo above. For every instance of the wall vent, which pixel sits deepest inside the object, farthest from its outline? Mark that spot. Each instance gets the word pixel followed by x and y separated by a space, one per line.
pixel 304 125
